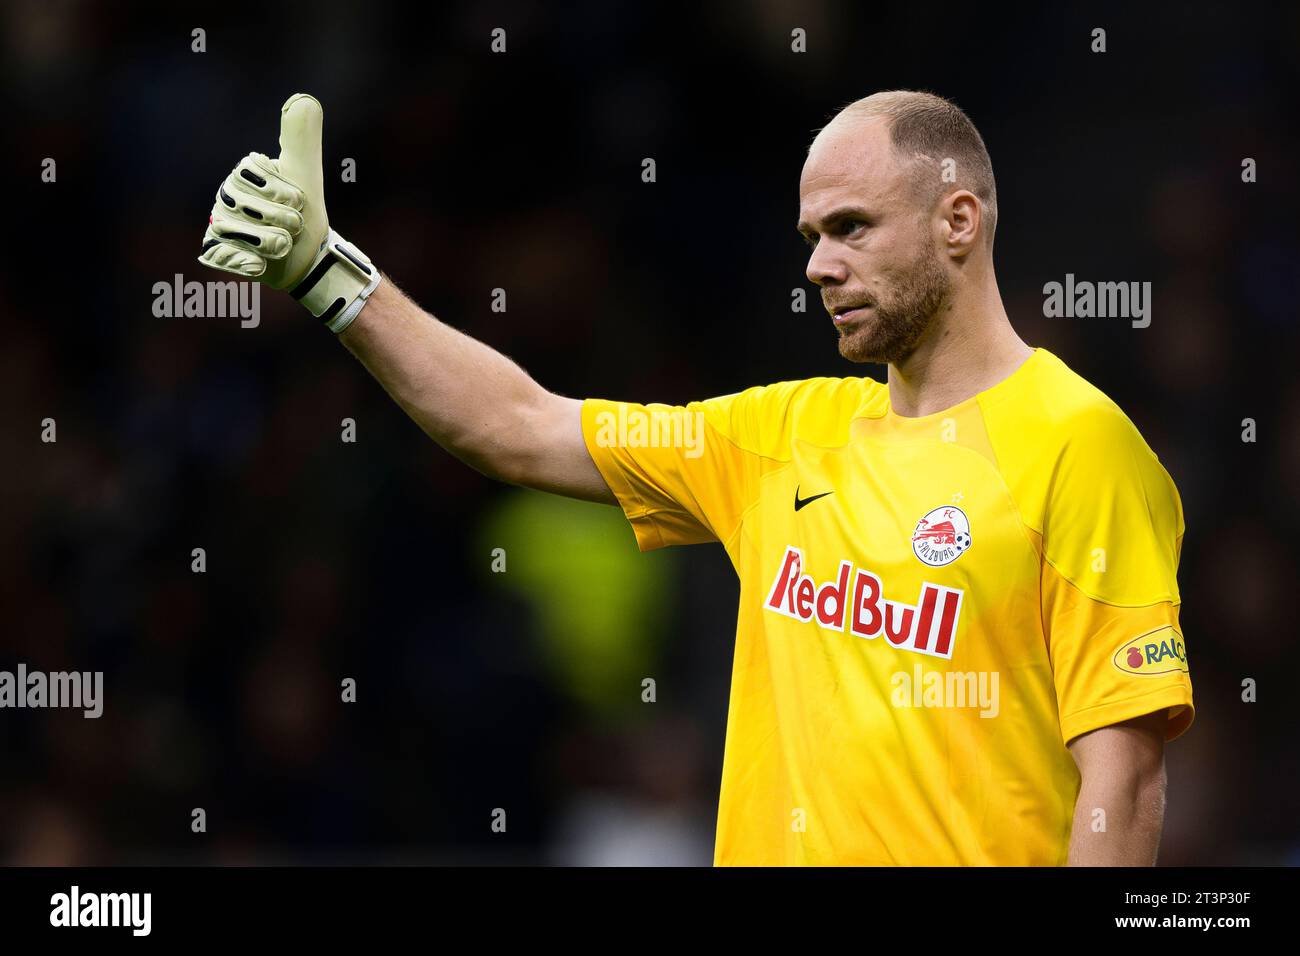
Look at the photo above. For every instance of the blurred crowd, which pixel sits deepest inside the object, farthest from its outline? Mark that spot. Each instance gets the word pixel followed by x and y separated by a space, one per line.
pixel 478 691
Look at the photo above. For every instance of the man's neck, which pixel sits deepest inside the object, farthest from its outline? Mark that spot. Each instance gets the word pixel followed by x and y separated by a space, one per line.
pixel 971 347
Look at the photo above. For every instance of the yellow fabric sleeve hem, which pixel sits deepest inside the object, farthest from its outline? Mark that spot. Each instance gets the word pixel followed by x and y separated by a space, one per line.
pixel 648 535
pixel 1177 699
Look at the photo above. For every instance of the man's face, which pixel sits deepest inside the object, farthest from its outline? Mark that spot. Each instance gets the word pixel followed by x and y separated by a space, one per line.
pixel 875 255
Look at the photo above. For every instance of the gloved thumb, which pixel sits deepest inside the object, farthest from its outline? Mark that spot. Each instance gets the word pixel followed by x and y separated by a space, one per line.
pixel 301 119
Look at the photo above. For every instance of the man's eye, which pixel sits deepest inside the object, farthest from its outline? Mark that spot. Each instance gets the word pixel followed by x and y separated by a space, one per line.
pixel 851 225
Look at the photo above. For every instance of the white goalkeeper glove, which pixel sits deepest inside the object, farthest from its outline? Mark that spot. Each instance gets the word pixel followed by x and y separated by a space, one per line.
pixel 269 224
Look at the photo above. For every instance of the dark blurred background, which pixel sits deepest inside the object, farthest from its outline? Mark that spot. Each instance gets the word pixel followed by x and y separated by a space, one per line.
pixel 521 171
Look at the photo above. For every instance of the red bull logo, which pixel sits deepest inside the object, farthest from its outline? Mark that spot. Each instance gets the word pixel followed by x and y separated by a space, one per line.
pixel 941 533
pixel 1157 652
pixel 854 602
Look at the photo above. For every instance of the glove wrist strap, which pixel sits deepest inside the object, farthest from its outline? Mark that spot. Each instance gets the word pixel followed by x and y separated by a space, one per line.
pixel 338 283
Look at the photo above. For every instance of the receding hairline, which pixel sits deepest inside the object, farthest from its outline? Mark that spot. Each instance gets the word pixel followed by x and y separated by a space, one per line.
pixel 925 130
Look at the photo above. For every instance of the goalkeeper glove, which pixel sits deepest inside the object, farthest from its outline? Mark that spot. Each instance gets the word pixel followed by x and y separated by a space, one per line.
pixel 269 224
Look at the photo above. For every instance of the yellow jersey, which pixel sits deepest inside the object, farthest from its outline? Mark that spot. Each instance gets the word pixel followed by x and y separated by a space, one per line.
pixel 931 607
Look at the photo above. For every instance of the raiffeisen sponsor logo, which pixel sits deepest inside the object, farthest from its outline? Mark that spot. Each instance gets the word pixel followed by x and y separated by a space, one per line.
pixel 1157 652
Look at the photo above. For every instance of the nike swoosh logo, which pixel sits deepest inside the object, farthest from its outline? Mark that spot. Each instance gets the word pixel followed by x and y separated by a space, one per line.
pixel 800 502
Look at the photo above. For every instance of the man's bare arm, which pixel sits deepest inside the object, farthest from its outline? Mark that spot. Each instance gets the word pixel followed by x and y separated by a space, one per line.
pixel 1123 771
pixel 472 400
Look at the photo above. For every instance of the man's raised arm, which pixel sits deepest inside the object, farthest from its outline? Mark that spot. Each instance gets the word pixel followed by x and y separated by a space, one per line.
pixel 472 400
pixel 269 223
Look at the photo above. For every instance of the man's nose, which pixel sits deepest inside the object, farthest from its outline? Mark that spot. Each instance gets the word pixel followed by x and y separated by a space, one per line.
pixel 826 266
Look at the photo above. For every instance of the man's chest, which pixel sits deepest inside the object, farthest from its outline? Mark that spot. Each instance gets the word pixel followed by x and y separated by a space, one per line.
pixel 905 543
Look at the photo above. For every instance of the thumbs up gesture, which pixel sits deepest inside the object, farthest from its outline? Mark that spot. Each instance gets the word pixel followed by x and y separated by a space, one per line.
pixel 269 223
pixel 269 220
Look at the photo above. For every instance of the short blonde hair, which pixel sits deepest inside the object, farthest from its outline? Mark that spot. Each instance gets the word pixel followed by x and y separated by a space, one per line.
pixel 926 129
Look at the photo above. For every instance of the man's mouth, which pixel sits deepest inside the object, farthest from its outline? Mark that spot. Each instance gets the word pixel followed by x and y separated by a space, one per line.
pixel 842 314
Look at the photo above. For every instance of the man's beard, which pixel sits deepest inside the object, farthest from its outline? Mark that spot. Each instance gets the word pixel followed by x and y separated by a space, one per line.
pixel 898 322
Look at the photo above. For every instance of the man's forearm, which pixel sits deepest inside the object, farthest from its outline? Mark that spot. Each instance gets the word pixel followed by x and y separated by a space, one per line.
pixel 268 222
pixel 470 399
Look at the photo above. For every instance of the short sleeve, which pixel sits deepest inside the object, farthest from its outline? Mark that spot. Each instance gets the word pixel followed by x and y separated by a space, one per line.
pixel 1112 535
pixel 679 472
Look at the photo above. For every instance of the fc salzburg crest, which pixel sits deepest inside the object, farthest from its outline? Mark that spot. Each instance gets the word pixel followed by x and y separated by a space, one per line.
pixel 942 536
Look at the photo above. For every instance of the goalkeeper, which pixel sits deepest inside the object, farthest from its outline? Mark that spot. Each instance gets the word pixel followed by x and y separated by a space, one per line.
pixel 958 640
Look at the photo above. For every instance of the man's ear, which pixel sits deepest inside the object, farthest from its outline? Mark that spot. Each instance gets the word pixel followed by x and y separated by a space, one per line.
pixel 965 218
